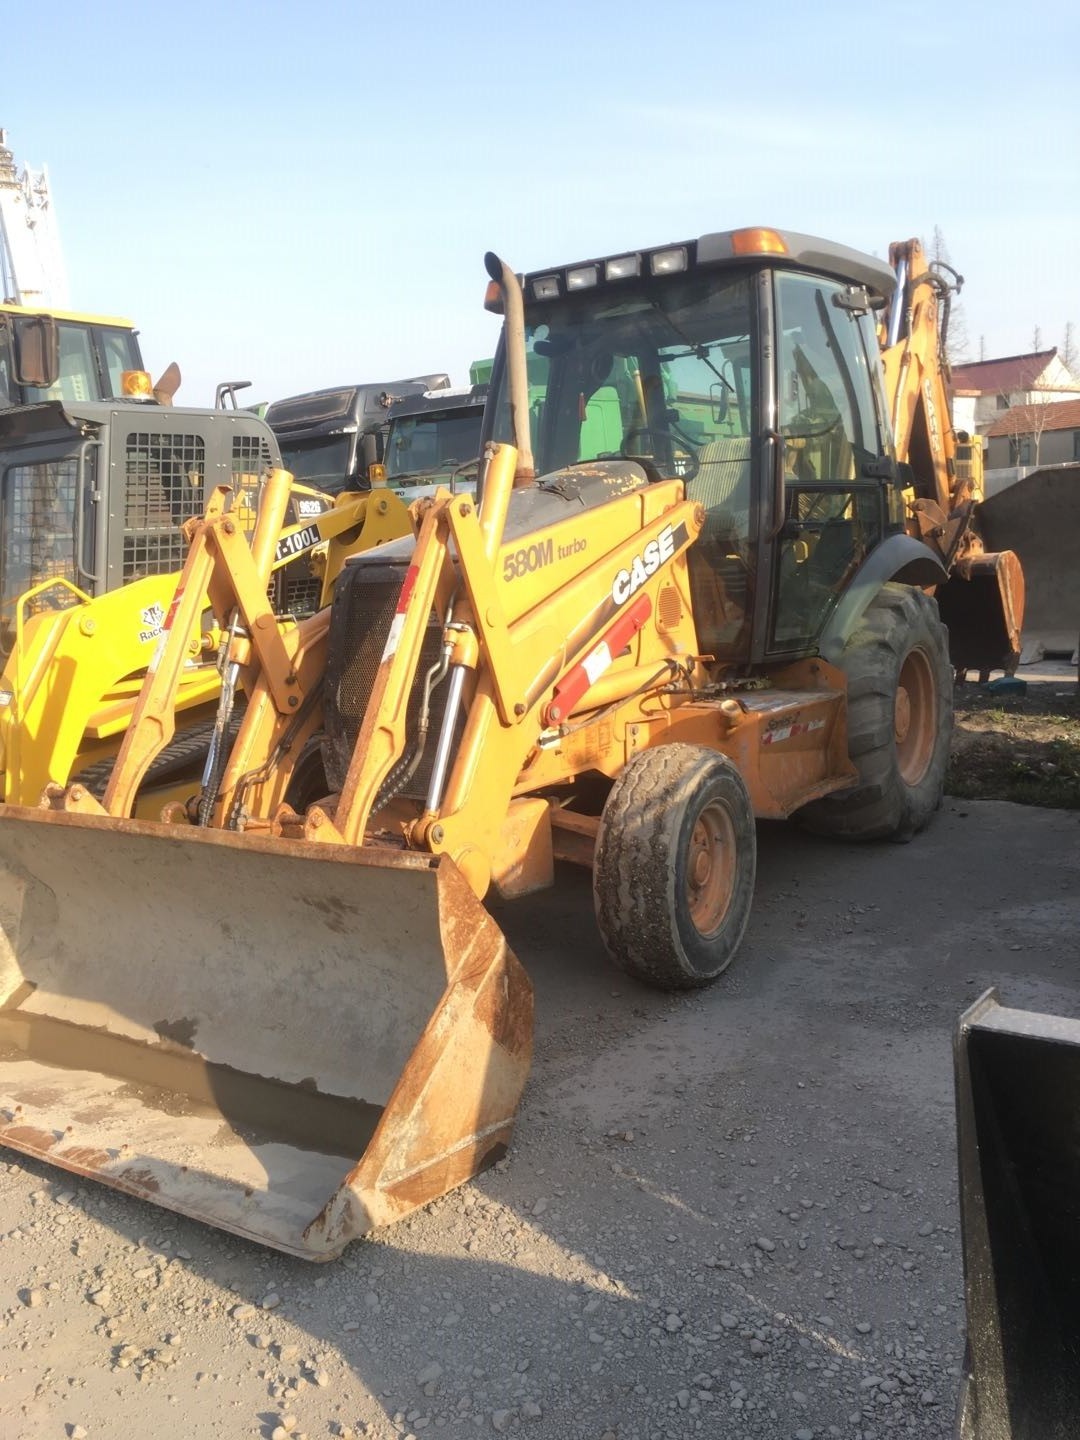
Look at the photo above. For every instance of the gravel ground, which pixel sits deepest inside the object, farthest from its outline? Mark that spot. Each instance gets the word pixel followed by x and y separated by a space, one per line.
pixel 728 1214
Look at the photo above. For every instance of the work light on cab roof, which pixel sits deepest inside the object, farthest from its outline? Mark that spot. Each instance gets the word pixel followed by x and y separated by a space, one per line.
pixel 667 260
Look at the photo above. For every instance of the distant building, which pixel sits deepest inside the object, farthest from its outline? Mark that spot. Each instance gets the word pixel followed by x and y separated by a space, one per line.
pixel 985 390
pixel 1040 432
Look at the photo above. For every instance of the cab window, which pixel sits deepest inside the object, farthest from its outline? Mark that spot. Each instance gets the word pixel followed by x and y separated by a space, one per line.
pixel 121 353
pixel 828 421
pixel 78 377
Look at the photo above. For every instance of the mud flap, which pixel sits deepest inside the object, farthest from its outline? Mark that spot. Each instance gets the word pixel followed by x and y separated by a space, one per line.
pixel 294 1042
pixel 1018 1132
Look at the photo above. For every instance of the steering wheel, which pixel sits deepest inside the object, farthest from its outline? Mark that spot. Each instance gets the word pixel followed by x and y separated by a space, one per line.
pixel 689 463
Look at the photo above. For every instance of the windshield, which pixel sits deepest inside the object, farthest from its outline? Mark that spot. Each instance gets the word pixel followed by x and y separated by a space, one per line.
pixel 432 444
pixel 655 371
pixel 321 463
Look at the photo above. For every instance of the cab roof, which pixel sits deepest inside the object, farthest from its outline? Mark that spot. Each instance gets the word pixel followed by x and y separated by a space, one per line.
pixel 749 245
pixel 115 321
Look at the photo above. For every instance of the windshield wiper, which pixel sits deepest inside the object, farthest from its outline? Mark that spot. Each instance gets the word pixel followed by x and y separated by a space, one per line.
pixel 701 352
pixel 401 475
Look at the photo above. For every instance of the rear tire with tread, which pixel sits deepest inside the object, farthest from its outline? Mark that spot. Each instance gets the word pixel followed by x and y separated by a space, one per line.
pixel 900 720
pixel 673 877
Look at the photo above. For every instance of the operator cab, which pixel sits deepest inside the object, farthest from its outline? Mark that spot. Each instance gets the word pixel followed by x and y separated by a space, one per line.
pixel 434 439
pixel 77 358
pixel 745 364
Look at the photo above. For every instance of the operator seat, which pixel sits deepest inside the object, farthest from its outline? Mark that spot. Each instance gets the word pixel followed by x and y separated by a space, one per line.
pixel 722 482
pixel 719 562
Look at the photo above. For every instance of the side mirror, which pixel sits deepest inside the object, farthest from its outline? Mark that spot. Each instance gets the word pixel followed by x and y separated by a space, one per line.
pixel 370 451
pixel 37 351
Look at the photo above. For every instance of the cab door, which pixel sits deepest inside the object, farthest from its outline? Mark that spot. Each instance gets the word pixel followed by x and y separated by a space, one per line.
pixel 833 450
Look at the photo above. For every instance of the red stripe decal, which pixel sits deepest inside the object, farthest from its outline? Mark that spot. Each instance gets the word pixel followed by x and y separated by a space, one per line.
pixel 406 589
pixel 171 616
pixel 577 680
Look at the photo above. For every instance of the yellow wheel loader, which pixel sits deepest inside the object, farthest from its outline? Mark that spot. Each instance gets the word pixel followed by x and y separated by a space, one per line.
pixel 282 1008
pixel 76 666
pixel 93 501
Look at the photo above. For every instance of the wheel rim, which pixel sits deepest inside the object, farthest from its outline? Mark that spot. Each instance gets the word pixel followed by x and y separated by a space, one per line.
pixel 710 868
pixel 915 721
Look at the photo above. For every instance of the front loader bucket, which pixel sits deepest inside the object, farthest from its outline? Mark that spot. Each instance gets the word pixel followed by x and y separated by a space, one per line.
pixel 291 1041
pixel 1018 1130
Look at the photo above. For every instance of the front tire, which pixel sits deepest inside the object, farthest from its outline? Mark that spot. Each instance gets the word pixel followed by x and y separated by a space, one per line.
pixel 900 720
pixel 676 856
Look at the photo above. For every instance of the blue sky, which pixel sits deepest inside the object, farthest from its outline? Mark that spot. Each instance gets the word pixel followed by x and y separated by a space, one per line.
pixel 302 195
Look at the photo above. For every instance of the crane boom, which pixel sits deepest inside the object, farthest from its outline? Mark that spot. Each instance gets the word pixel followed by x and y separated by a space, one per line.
pixel 31 264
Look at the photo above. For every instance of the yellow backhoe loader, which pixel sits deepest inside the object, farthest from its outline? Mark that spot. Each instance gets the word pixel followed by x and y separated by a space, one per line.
pixel 282 1008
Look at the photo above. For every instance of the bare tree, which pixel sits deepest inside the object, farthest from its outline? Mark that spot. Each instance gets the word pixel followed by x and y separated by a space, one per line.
pixel 1027 423
pixel 982 347
pixel 1036 338
pixel 1069 355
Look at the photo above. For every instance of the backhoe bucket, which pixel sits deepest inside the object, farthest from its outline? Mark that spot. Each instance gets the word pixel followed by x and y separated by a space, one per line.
pixel 292 1041
pixel 982 606
pixel 1018 1129
pixel 1039 518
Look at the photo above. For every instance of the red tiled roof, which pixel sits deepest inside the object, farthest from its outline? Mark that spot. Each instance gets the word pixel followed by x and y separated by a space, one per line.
pixel 1027 419
pixel 1011 372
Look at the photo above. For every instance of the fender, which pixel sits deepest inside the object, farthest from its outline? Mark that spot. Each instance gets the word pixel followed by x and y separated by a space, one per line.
pixel 901 558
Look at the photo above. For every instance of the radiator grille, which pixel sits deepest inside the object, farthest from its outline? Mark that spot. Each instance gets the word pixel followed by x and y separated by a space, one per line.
pixel 39 528
pixel 294 590
pixel 250 457
pixel 365 599
pixel 360 617
pixel 166 480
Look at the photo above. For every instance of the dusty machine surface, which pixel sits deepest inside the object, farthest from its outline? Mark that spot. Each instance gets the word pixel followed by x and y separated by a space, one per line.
pixel 684 598
pixel 1018 1113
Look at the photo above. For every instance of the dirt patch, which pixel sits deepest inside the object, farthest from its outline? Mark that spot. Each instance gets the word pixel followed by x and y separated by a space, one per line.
pixel 1024 748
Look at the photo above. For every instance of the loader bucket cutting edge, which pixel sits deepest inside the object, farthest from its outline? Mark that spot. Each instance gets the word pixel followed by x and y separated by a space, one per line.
pixel 290 1041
